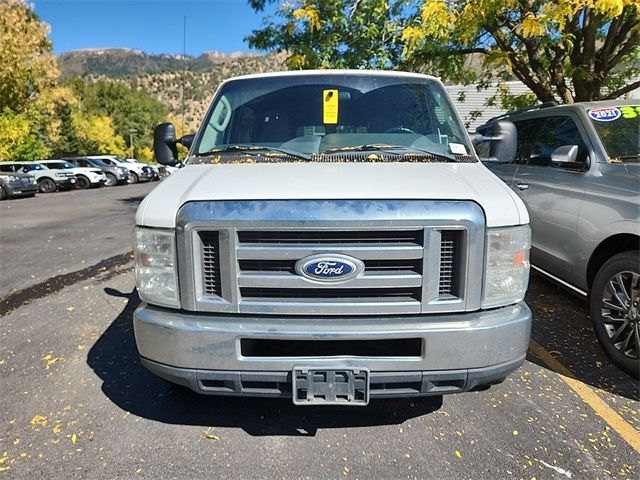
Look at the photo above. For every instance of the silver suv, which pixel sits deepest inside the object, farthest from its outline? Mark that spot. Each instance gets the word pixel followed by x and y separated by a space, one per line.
pixel 577 169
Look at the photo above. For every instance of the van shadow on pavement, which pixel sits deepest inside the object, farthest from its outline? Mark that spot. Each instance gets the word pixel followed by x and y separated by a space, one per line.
pixel 114 358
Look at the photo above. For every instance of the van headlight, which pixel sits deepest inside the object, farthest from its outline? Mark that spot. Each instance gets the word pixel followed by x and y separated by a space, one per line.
pixel 155 266
pixel 506 275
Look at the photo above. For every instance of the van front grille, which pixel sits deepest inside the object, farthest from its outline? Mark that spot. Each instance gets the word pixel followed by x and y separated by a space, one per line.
pixel 415 256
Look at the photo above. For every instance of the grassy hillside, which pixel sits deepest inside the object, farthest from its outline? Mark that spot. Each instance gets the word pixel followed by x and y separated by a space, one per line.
pixel 162 76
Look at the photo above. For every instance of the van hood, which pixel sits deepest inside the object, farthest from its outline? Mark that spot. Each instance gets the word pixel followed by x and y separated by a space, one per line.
pixel 333 181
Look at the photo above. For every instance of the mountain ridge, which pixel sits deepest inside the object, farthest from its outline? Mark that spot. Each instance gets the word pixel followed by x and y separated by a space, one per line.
pixel 166 77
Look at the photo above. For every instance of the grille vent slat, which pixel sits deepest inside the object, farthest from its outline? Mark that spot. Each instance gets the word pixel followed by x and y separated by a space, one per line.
pixel 450 243
pixel 211 263
pixel 333 238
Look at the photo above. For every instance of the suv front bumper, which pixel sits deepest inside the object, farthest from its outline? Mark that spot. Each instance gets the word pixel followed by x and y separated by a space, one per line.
pixel 459 352
pixel 66 183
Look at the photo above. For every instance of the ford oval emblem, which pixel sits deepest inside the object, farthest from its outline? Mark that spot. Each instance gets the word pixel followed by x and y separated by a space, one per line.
pixel 329 268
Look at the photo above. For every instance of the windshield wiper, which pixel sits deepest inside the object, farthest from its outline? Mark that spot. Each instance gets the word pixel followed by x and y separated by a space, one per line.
pixel 252 149
pixel 379 147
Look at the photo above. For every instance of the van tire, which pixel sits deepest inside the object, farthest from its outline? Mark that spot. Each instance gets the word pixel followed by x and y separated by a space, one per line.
pixel 3 193
pixel 614 325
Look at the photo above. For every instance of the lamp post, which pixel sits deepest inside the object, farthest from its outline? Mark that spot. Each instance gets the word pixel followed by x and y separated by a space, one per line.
pixel 131 133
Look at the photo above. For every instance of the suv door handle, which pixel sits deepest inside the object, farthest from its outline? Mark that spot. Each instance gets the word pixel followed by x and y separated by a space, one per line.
pixel 522 186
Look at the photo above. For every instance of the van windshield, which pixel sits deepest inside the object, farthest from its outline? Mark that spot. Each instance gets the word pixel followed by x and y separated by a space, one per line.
pixel 316 116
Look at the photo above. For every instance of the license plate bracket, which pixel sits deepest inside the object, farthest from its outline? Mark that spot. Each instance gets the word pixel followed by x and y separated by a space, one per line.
pixel 318 386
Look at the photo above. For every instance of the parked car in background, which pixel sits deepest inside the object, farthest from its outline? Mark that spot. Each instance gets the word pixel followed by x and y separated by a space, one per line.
pixel 48 180
pixel 115 174
pixel 14 185
pixel 154 168
pixel 85 177
pixel 577 169
pixel 138 172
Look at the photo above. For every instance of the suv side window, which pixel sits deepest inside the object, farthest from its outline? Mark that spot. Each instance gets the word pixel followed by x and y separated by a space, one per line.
pixel 83 163
pixel 547 135
pixel 7 168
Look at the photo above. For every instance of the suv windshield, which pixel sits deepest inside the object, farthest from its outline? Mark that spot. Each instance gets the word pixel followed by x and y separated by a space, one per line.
pixel 621 136
pixel 316 116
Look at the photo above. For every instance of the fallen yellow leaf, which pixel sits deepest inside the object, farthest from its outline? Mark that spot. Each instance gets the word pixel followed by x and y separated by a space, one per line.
pixel 211 436
pixel 39 420
pixel 81 347
pixel 138 470
pixel 57 428
pixel 70 309
pixel 458 454
pixel 515 432
pixel 74 438
pixel 345 471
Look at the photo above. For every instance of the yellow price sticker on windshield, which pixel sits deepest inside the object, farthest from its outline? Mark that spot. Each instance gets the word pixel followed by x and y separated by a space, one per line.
pixel 330 106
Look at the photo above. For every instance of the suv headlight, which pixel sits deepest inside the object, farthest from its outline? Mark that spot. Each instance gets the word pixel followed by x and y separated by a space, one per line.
pixel 506 274
pixel 155 266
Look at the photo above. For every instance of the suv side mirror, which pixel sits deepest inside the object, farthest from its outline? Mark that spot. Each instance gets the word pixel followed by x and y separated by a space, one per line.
pixel 565 154
pixel 164 144
pixel 498 142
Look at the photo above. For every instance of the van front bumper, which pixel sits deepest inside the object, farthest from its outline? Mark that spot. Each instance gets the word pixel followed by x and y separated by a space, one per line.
pixel 458 352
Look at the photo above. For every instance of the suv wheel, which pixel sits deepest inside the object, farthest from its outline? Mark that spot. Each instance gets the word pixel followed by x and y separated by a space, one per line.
pixel 82 182
pixel 46 185
pixel 615 310
pixel 3 193
pixel 111 180
pixel 133 178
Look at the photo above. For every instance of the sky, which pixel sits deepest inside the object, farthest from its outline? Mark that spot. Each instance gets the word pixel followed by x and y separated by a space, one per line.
pixel 153 26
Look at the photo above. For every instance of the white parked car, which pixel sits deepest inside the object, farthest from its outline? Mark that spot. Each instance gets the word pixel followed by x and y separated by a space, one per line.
pixel 138 172
pixel 85 177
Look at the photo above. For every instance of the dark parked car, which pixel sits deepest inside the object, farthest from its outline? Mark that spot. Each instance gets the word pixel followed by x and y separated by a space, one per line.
pixel 14 185
pixel 116 175
pixel 577 169
pixel 48 180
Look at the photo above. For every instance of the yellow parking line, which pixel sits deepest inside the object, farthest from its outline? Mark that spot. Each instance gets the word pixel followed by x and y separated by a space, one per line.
pixel 586 393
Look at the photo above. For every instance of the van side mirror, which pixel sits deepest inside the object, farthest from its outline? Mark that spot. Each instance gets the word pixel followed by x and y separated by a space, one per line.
pixel 164 144
pixel 497 142
pixel 187 140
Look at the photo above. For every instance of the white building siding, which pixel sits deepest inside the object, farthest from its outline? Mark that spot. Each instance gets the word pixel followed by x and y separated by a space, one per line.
pixel 475 100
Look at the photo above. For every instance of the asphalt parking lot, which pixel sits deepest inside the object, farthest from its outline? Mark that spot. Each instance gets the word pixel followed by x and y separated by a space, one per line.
pixel 76 403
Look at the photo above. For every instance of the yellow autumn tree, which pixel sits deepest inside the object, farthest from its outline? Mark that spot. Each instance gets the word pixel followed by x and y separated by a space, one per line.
pixel 28 84
pixel 29 71
pixel 563 50
pixel 98 131
pixel 567 50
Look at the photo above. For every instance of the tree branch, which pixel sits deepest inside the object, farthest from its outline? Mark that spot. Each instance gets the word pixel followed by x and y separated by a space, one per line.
pixel 622 91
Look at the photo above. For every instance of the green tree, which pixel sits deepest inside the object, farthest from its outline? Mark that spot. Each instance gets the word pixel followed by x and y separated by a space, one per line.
pixel 69 142
pixel 130 110
pixel 569 50
pixel 333 33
